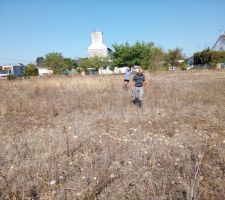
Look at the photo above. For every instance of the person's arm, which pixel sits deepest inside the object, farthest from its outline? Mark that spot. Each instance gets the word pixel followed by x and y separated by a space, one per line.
pixel 133 80
pixel 144 83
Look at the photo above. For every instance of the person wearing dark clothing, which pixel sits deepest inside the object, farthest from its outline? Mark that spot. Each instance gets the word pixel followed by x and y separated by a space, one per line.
pixel 138 90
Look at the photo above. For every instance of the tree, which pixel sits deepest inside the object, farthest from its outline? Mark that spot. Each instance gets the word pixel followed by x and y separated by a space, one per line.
pixel 140 53
pixel 40 61
pixel 94 62
pixel 202 57
pixel 55 61
pixel 209 57
pixel 31 70
pixel 157 58
pixel 97 62
pixel 84 63
pixel 0 68
pixel 123 55
pixel 173 56
pixel 70 64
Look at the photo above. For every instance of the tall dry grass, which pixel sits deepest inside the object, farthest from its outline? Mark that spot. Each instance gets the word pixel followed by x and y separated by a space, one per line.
pixel 81 138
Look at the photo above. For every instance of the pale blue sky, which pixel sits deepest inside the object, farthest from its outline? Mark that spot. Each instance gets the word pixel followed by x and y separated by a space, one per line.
pixel 32 28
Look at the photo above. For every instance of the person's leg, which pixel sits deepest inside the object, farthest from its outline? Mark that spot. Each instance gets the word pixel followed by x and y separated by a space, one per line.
pixel 125 84
pixel 136 93
pixel 140 97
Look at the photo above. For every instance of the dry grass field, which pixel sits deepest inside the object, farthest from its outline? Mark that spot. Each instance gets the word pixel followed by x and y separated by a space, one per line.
pixel 81 138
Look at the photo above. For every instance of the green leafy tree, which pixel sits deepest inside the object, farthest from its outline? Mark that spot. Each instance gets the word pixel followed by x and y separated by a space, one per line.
pixel 202 57
pixel 143 54
pixel 209 57
pixel 157 58
pixel 0 68
pixel 123 55
pixel 84 63
pixel 55 61
pixel 97 62
pixel 173 56
pixel 31 70
pixel 94 62
pixel 70 64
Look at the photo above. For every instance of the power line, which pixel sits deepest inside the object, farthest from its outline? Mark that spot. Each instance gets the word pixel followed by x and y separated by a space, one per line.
pixel 13 59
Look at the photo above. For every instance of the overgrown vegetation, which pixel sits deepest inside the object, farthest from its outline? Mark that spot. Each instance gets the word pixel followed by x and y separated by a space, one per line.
pixel 80 138
pixel 11 77
pixel 94 62
pixel 140 53
pixel 30 70
pixel 146 55
pixel 210 57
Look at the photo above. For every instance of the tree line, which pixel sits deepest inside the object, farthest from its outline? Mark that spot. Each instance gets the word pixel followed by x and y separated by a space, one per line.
pixel 209 57
pixel 144 54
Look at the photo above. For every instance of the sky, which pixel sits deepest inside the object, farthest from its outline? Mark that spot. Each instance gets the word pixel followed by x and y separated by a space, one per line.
pixel 32 28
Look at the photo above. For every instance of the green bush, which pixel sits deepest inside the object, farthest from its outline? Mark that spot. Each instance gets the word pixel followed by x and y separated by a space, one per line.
pixel 11 77
pixel 30 70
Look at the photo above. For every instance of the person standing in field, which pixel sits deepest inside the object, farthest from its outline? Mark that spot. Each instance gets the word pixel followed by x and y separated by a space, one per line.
pixel 138 90
pixel 127 77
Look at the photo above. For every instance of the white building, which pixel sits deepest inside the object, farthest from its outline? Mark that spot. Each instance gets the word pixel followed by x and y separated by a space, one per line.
pixel 220 44
pixel 44 71
pixel 97 47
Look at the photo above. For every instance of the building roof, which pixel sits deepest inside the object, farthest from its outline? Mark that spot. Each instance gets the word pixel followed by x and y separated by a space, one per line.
pixel 221 36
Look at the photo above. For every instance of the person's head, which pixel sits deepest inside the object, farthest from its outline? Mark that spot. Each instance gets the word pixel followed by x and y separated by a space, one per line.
pixel 140 70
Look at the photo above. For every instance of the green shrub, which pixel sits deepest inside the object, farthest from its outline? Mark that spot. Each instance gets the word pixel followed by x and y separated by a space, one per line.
pixel 11 77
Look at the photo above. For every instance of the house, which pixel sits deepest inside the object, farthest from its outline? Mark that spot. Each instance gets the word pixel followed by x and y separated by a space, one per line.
pixel 105 70
pixel 220 44
pixel 17 70
pixel 42 71
pixel 97 47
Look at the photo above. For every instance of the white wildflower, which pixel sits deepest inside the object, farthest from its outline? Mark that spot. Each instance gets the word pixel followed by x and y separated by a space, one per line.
pixel 70 163
pixel 112 176
pixel 78 194
pixel 53 182
pixel 133 129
